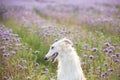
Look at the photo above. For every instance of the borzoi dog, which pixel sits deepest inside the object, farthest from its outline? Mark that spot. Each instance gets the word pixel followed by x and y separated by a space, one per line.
pixel 69 67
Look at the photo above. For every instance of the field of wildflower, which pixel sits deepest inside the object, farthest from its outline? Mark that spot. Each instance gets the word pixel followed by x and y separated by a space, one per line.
pixel 29 28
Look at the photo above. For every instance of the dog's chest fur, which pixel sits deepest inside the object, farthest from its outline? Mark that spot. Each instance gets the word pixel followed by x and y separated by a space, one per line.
pixel 69 68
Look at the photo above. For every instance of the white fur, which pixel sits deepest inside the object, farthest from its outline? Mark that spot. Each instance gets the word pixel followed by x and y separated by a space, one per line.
pixel 69 67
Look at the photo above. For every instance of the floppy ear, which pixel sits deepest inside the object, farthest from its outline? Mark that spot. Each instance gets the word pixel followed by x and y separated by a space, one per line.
pixel 67 41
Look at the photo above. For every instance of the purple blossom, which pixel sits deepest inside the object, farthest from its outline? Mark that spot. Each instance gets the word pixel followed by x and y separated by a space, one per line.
pixel 6 39
pixel 28 78
pixel 117 54
pixel 105 50
pixel 110 51
pixel 105 64
pixel 6 54
pixel 112 47
pixel 19 39
pixel 91 57
pixel 17 45
pixel 94 49
pixel 46 71
pixel 2 47
pixel 13 52
pixel 107 44
pixel 20 67
pixel 83 63
pixel 36 64
pixel 9 79
pixel 85 46
pixel 10 46
pixel 37 52
pixel 84 55
pixel 110 70
pixel 55 40
pixel 116 60
pixel 11 41
pixel 5 77
pixel 23 61
pixel 104 75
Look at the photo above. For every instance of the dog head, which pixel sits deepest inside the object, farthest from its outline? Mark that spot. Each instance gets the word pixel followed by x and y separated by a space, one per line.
pixel 58 48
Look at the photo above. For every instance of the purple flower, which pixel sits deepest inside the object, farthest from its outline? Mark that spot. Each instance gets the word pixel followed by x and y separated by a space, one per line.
pixel 46 71
pixel 10 79
pixel 112 47
pixel 19 39
pixel 91 57
pixel 28 78
pixel 11 41
pixel 5 77
pixel 116 60
pixel 20 67
pixel 105 50
pixel 85 46
pixel 117 54
pixel 23 61
pixel 105 64
pixel 110 70
pixel 103 75
pixel 6 39
pixel 36 64
pixel 107 44
pixel 13 52
pixel 6 54
pixel 10 47
pixel 17 45
pixel 83 63
pixel 110 51
pixel 37 52
pixel 94 49
pixel 55 40
pixel 84 55
pixel 2 47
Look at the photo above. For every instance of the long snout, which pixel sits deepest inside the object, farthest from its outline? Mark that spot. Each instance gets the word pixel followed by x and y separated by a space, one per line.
pixel 45 58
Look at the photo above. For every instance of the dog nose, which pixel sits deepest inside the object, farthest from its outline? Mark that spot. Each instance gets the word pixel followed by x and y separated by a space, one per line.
pixel 45 58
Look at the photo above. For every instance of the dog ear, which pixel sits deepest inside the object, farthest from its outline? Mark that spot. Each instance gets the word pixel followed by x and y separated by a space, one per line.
pixel 67 41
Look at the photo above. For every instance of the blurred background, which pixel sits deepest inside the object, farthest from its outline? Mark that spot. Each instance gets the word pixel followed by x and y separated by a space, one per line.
pixel 29 27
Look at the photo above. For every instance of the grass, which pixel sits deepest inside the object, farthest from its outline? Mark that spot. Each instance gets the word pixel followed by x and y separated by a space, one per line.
pixel 32 41
pixel 95 63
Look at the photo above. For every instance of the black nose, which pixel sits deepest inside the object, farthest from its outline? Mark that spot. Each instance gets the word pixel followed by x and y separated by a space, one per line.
pixel 45 58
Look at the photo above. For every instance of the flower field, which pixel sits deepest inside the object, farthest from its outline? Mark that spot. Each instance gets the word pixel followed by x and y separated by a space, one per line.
pixel 27 31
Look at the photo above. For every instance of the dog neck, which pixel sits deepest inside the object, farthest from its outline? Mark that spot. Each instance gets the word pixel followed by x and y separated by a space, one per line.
pixel 69 67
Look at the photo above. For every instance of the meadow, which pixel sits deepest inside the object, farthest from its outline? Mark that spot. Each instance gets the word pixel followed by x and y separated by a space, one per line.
pixel 27 33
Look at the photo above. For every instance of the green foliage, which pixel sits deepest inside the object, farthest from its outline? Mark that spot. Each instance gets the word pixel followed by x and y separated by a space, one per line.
pixel 89 43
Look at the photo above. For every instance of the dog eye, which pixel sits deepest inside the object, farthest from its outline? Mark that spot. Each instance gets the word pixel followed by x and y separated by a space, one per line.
pixel 52 47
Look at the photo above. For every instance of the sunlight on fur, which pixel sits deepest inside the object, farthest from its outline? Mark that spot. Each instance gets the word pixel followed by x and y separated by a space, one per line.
pixel 69 66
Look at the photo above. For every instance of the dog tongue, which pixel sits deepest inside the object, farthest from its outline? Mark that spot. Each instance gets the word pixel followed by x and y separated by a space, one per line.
pixel 54 56
pixel 53 60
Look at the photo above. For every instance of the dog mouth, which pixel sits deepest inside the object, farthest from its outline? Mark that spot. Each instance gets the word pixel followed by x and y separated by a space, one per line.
pixel 53 57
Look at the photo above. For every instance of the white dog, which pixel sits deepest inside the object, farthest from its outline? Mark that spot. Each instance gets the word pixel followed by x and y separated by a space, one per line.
pixel 69 67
